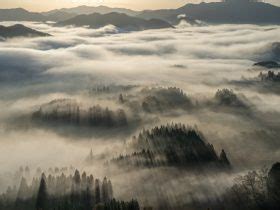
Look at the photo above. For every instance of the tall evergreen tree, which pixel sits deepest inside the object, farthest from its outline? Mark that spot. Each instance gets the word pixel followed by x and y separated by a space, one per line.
pixel 110 190
pixel 42 197
pixel 97 191
pixel 105 191
pixel 23 190
pixel 224 159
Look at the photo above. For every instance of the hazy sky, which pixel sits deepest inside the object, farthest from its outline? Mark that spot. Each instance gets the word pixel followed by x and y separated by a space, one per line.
pixel 43 5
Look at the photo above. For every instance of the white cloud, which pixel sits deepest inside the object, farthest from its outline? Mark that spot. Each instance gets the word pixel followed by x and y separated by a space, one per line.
pixel 197 59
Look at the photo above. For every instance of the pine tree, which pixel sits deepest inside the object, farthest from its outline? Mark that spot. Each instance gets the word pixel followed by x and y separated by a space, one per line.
pixel 23 190
pixel 121 100
pixel 97 191
pixel 77 181
pixel 105 193
pixel 87 199
pixel 223 159
pixel 42 197
pixel 110 190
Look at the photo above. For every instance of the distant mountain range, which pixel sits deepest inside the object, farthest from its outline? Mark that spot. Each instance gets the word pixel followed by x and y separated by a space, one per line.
pixel 119 20
pixel 19 31
pixel 19 14
pixel 221 12
pixel 57 16
pixel 235 12
pixel 86 10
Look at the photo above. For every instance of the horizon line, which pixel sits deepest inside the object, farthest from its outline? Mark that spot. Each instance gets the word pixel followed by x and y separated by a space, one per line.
pixel 102 5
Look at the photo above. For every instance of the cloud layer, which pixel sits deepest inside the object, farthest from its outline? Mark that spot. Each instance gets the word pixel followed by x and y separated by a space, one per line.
pixel 199 60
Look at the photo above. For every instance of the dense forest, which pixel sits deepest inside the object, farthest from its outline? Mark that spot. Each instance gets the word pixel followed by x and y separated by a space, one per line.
pixel 157 100
pixel 172 145
pixel 149 100
pixel 64 193
pixel 255 190
pixel 226 97
pixel 161 99
pixel 270 76
pixel 70 113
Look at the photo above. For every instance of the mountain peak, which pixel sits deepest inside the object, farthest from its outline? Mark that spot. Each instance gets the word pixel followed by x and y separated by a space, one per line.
pixel 19 30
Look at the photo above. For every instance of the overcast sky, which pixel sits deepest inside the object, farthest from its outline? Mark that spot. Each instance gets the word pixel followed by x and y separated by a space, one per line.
pixel 43 5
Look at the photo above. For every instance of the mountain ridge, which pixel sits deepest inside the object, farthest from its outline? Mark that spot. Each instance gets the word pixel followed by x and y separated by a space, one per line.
pixel 19 30
pixel 212 12
pixel 83 9
pixel 20 14
pixel 221 12
pixel 121 21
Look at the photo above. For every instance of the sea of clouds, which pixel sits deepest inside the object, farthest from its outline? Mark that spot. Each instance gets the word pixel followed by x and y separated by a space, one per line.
pixel 197 59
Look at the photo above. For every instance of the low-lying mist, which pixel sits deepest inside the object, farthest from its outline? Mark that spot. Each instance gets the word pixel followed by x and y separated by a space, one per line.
pixel 199 76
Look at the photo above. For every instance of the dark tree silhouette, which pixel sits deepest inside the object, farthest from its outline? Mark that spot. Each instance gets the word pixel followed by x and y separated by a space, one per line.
pixel 224 159
pixel 105 191
pixel 63 193
pixel 42 197
pixel 68 112
pixel 97 191
pixel 273 184
pixel 270 76
pixel 226 97
pixel 173 145
pixel 23 190
pixel 162 99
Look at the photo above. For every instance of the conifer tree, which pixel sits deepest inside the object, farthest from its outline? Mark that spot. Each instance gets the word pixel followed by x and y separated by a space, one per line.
pixel 42 197
pixel 97 191
pixel 23 190
pixel 105 193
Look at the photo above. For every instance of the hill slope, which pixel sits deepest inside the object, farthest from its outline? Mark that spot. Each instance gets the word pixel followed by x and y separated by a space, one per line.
pixel 122 21
pixel 19 31
pixel 172 145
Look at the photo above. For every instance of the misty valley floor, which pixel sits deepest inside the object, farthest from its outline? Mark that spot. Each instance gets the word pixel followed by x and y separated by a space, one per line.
pixel 131 74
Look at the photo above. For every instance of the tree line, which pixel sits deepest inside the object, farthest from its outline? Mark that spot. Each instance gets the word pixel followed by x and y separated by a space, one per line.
pixel 227 97
pixel 160 99
pixel 270 76
pixel 63 192
pixel 73 114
